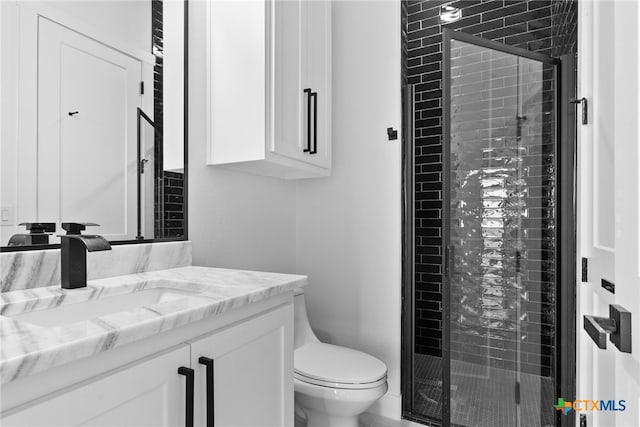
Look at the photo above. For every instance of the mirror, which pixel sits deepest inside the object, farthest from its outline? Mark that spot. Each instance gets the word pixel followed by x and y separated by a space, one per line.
pixel 92 119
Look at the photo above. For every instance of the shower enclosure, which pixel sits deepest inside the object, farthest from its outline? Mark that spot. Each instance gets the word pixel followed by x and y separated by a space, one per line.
pixel 500 359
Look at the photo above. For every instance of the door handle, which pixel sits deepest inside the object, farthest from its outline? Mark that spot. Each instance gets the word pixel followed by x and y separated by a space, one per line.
pixel 210 390
pixel 188 416
pixel 314 95
pixel 308 148
pixel 617 326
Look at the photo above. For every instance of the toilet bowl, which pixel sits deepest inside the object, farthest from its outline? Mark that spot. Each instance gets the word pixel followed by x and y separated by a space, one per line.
pixel 332 384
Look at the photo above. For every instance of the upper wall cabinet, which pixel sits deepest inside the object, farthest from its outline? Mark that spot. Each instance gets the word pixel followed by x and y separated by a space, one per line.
pixel 269 87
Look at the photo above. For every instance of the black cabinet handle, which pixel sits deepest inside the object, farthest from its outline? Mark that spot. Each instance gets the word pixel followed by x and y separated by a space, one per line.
pixel 210 390
pixel 309 95
pixel 314 95
pixel 188 373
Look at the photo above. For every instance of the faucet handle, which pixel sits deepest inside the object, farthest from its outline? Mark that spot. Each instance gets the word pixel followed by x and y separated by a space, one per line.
pixel 77 227
pixel 40 227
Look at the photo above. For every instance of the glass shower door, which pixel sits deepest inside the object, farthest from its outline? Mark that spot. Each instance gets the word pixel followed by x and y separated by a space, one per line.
pixel 499 197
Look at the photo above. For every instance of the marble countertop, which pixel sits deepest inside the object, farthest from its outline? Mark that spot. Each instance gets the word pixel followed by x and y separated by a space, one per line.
pixel 27 348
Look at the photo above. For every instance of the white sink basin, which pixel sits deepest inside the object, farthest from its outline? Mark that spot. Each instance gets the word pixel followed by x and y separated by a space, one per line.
pixel 85 310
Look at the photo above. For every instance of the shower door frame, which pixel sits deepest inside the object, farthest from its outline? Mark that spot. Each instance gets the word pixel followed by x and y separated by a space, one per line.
pixel 565 154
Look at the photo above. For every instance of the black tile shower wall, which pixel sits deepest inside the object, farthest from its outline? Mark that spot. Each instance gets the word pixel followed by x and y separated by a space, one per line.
pixel 546 26
pixel 564 26
pixel 158 78
pixel 173 205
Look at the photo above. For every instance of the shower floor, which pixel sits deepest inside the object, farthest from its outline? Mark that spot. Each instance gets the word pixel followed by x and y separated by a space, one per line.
pixel 482 396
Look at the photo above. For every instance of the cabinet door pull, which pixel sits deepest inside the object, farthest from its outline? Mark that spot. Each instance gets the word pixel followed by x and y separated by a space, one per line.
pixel 315 123
pixel 188 373
pixel 210 390
pixel 309 95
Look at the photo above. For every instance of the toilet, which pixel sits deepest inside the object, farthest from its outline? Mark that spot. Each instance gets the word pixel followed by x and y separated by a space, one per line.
pixel 332 384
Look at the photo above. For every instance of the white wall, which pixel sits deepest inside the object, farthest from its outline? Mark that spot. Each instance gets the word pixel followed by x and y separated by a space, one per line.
pixel 349 225
pixel 8 121
pixel 127 20
pixel 343 231
pixel 236 220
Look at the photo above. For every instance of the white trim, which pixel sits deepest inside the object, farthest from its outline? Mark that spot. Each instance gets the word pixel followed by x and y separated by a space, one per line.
pixel 208 84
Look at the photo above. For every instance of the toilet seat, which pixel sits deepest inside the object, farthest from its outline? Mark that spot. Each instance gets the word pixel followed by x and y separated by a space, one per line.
pixel 333 366
pixel 347 386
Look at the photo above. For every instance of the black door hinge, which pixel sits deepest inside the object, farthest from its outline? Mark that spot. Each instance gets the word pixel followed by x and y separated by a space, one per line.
pixel 141 88
pixel 585 109
pixel 583 420
pixel 585 270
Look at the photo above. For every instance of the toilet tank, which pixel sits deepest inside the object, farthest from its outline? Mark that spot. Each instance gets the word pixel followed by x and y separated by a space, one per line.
pixel 302 329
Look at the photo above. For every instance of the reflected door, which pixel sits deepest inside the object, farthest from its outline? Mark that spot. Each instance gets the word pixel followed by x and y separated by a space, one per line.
pixel 87 148
pixel 500 234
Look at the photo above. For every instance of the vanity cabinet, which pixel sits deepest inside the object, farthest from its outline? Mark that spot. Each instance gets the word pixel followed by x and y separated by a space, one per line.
pixel 269 87
pixel 252 373
pixel 130 396
pixel 252 379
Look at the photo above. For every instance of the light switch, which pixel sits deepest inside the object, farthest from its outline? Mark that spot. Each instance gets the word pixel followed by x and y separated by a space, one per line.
pixel 6 215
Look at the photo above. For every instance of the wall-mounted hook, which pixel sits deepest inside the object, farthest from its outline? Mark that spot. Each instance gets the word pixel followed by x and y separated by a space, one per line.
pixel 585 109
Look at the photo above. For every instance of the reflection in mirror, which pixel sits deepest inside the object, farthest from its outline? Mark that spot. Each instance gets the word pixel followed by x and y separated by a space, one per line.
pixel 92 119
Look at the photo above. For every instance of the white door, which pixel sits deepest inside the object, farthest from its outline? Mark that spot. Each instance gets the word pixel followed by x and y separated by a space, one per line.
pixel 609 213
pixel 253 372
pixel 87 148
pixel 151 393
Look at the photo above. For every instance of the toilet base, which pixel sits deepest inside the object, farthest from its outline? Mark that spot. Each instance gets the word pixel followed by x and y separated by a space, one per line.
pixel 333 407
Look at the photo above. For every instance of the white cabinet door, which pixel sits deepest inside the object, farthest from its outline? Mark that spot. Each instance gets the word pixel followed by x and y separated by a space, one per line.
pixel 269 92
pixel 288 105
pixel 150 393
pixel 316 75
pixel 252 370
pixel 236 77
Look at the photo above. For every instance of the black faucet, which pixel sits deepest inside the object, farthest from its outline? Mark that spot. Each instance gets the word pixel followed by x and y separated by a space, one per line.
pixel 38 234
pixel 74 247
